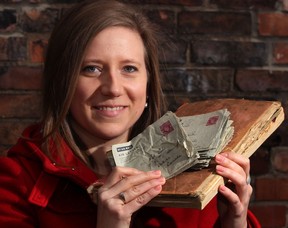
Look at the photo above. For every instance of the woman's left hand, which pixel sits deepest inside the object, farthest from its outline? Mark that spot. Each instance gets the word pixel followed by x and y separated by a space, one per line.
pixel 236 168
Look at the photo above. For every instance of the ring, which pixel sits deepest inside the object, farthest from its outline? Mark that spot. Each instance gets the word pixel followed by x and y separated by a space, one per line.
pixel 248 180
pixel 122 197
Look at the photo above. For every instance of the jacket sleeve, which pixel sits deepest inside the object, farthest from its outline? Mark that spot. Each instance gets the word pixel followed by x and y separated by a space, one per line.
pixel 252 221
pixel 15 186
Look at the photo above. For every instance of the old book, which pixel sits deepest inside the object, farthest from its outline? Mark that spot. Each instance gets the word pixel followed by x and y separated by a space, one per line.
pixel 254 122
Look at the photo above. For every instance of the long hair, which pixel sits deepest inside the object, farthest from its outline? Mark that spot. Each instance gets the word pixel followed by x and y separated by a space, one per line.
pixel 67 45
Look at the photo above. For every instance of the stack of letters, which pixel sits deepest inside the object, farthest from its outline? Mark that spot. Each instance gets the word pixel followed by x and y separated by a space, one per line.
pixel 174 144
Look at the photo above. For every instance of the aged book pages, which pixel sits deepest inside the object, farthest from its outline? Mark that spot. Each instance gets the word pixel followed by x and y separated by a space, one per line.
pixel 254 122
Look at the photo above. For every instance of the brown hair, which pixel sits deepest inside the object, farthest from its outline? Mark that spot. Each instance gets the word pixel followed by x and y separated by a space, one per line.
pixel 67 45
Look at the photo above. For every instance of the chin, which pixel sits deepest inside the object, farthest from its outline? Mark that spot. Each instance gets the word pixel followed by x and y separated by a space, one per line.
pixel 113 135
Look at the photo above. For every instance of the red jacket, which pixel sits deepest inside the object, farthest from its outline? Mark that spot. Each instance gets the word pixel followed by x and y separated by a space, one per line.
pixel 35 192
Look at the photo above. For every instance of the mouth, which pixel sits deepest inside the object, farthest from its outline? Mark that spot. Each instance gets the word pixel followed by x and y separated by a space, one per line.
pixel 109 108
pixel 109 111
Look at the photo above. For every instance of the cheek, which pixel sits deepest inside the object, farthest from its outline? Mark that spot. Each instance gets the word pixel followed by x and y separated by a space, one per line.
pixel 84 89
pixel 80 96
pixel 139 94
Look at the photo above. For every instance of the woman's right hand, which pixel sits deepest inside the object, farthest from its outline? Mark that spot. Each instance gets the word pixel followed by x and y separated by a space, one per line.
pixel 125 191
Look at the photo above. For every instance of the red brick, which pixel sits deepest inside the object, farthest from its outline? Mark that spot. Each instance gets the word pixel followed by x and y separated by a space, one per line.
pixel 19 106
pixel 272 188
pixel 37 49
pixel 170 2
pixel 13 48
pixel 175 54
pixel 217 23
pixel 165 19
pixel 174 102
pixel 240 4
pixel 260 162
pixel 262 80
pixel 228 53
pixel 280 53
pixel 273 24
pixel 3 49
pixel 280 136
pixel 16 49
pixel 62 1
pixel 7 20
pixel 197 81
pixel 37 19
pixel 284 103
pixel 13 1
pixel 280 159
pixel 270 216
pixel 21 77
pixel 285 4
pixel 10 131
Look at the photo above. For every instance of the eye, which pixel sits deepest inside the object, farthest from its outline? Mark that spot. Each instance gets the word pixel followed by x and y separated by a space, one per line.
pixel 130 69
pixel 91 71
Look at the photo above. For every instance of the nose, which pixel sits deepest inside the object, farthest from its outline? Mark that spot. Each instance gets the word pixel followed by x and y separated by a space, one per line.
pixel 111 84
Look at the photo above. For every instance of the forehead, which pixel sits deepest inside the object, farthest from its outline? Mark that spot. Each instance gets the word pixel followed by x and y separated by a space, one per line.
pixel 117 39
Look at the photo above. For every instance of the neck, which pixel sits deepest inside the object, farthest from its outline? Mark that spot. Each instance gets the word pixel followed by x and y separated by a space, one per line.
pixel 97 149
pixel 101 164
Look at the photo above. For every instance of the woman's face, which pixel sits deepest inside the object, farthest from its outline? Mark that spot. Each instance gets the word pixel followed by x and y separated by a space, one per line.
pixel 111 91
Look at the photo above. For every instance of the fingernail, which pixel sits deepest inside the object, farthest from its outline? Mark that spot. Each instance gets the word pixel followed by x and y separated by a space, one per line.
pixel 162 179
pixel 222 188
pixel 224 154
pixel 158 187
pixel 219 158
pixel 156 172
pixel 219 168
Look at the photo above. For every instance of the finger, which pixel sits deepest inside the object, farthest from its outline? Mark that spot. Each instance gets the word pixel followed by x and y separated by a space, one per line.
pixel 224 161
pixel 118 173
pixel 234 202
pixel 242 189
pixel 130 182
pixel 237 203
pixel 137 190
pixel 238 178
pixel 143 199
pixel 240 160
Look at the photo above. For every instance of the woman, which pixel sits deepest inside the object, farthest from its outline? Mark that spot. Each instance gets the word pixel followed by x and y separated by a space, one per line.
pixel 102 87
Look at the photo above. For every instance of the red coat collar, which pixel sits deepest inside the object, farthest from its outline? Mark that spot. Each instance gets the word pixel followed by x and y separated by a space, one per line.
pixel 74 167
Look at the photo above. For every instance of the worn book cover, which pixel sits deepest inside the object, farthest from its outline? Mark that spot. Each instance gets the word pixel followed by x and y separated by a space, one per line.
pixel 254 122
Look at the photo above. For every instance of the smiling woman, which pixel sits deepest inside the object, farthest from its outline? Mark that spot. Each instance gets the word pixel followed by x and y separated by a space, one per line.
pixel 110 97
pixel 102 87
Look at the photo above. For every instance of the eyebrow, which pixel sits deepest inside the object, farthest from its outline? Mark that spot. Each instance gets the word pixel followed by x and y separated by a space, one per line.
pixel 131 61
pixel 125 61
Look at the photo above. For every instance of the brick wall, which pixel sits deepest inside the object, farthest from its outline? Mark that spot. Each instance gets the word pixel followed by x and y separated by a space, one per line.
pixel 223 48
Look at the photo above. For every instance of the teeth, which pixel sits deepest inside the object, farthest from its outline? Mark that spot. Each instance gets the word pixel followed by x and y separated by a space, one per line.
pixel 110 108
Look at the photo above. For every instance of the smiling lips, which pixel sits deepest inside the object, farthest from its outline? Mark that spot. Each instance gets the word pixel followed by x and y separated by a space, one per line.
pixel 104 108
pixel 109 111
